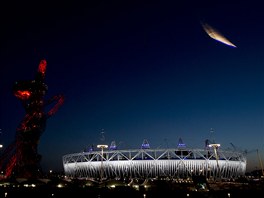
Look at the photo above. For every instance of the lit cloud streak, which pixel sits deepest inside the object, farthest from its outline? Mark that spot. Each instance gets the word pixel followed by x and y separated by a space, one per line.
pixel 213 33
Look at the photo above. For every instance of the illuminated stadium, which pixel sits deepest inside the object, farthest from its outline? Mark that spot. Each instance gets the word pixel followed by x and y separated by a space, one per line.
pixel 146 163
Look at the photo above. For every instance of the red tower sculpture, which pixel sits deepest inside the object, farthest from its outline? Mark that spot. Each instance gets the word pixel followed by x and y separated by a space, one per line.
pixel 21 158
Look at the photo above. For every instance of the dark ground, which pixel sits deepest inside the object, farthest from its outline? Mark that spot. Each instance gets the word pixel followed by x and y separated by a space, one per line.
pixel 159 190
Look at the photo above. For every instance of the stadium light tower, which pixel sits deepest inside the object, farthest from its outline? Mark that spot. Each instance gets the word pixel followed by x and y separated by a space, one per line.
pixel 215 147
pixel 102 147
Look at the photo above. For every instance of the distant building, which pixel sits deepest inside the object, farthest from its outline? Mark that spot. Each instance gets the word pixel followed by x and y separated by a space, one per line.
pixel 180 162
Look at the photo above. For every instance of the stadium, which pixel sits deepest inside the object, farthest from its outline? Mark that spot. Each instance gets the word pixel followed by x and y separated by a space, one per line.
pixel 145 163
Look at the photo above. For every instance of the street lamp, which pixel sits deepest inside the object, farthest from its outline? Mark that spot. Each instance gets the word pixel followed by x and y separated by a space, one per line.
pixel 102 147
pixel 1 145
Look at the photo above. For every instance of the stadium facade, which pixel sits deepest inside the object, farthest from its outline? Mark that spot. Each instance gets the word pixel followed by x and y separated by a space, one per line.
pixel 181 162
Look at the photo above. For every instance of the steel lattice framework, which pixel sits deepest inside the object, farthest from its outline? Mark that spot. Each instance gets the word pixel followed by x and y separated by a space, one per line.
pixel 155 163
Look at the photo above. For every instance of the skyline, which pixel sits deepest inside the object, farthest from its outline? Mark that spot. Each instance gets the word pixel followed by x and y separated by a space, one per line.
pixel 138 71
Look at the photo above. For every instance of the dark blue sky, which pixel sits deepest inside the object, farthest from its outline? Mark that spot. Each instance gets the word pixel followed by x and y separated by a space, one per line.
pixel 139 70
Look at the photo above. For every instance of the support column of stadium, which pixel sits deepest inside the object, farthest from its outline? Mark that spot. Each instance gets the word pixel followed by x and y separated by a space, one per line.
pixel 102 147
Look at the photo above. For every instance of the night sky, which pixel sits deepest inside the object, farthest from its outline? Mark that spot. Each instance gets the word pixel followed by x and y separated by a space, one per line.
pixel 137 70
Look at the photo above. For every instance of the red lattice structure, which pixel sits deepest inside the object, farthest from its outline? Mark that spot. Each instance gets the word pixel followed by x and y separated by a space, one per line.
pixel 21 158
